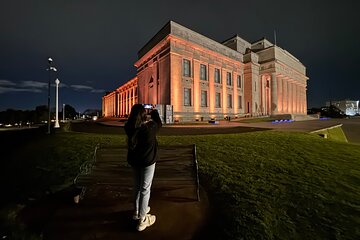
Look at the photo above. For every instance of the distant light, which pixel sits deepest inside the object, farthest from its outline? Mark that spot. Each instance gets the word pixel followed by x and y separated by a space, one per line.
pixel 283 121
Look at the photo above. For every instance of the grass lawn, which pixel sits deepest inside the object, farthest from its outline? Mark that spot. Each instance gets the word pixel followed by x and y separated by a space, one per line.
pixel 262 185
pixel 336 134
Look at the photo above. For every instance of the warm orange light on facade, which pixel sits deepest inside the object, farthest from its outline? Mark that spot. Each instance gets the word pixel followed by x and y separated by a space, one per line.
pixel 268 86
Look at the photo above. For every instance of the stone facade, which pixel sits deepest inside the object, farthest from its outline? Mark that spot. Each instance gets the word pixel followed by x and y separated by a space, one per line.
pixel 203 79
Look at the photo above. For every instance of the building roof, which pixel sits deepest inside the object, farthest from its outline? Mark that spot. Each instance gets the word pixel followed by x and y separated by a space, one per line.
pixel 175 29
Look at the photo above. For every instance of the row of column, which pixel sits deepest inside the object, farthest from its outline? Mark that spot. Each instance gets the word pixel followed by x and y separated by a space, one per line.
pixel 288 96
pixel 126 100
pixel 109 105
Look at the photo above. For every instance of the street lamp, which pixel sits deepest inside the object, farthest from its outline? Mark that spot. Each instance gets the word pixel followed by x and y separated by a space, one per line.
pixel 50 69
pixel 57 104
pixel 63 112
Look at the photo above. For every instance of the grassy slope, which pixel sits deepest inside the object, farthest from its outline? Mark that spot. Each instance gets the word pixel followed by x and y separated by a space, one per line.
pixel 263 185
pixel 336 134
pixel 275 185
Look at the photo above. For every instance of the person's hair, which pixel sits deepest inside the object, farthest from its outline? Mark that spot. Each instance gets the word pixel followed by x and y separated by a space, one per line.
pixel 137 116
pixel 136 119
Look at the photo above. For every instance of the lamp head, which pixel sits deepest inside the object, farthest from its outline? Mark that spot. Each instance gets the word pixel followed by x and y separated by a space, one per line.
pixel 50 60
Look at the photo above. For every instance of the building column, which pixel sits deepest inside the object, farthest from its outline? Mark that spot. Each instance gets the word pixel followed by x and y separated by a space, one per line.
pixel 280 95
pixel 128 101
pixel 274 96
pixel 293 97
pixel 305 103
pixel 301 100
pixel 290 107
pixel 133 96
pixel 223 92
pixel 285 95
pixel 196 87
pixel 211 88
pixel 263 94
pixel 297 98
pixel 121 106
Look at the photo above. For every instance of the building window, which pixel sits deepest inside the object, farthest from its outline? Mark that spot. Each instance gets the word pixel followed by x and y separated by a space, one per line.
pixel 187 96
pixel 255 85
pixel 217 100
pixel 239 102
pixel 217 76
pixel 203 73
pixel 239 81
pixel 229 101
pixel 204 98
pixel 228 79
pixel 186 68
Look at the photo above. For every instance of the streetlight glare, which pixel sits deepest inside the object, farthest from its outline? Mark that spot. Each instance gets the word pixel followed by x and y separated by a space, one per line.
pixel 50 60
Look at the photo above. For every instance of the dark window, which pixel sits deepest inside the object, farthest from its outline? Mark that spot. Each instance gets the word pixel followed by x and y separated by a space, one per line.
pixel 187 96
pixel 229 102
pixel 204 98
pixel 239 81
pixel 217 100
pixel 203 73
pixel 228 79
pixel 239 102
pixel 186 68
pixel 217 76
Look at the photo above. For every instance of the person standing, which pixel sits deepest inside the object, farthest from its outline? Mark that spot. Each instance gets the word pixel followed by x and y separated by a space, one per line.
pixel 142 156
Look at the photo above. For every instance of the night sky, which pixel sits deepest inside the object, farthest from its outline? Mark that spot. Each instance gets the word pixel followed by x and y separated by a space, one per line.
pixel 94 44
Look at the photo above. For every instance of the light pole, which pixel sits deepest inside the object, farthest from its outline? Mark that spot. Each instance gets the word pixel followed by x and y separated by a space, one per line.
pixel 63 112
pixel 51 68
pixel 57 104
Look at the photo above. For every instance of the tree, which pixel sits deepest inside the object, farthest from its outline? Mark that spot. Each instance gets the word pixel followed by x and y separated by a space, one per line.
pixel 41 113
pixel 70 112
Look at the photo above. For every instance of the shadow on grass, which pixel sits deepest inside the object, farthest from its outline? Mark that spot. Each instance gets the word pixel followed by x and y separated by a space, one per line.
pixel 93 127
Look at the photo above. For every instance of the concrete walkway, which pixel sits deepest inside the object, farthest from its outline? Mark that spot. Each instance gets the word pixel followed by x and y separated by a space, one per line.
pixel 106 210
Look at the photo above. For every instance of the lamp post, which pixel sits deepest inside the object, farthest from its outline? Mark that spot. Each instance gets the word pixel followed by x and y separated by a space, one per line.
pixel 63 112
pixel 51 68
pixel 57 104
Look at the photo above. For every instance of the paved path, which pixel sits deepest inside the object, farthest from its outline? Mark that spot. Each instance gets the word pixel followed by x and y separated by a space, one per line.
pixel 106 210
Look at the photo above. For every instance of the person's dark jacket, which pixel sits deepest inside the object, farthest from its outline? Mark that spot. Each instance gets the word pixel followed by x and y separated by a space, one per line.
pixel 143 150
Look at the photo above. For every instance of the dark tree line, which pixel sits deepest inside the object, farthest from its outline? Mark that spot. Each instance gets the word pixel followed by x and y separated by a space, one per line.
pixel 40 114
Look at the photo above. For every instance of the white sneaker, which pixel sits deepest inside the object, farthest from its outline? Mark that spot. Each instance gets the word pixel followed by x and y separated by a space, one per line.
pixel 145 222
pixel 136 213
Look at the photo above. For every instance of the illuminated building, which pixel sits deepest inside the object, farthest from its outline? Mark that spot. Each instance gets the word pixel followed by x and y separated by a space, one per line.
pixel 203 79
pixel 348 107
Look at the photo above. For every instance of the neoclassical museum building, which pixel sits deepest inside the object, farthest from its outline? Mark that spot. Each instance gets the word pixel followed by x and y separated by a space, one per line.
pixel 202 79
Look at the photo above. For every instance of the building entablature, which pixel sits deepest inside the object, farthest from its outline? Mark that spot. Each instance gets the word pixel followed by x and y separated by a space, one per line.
pixel 158 49
pixel 185 49
pixel 285 70
pixel 276 53
pixel 175 29
pixel 128 85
